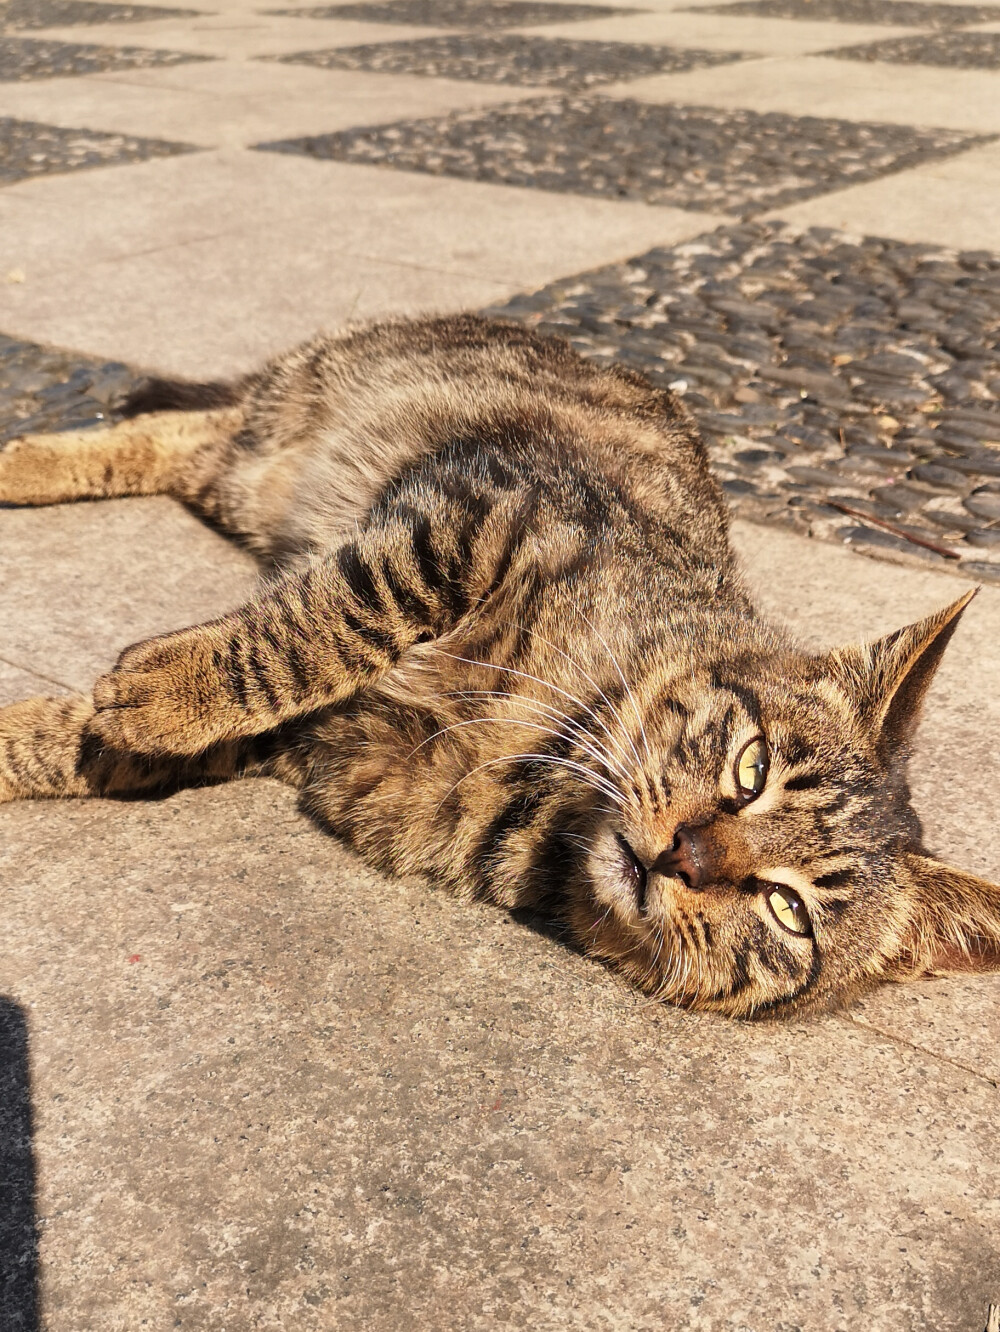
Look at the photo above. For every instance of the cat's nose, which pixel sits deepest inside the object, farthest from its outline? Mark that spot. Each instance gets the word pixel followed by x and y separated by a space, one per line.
pixel 688 858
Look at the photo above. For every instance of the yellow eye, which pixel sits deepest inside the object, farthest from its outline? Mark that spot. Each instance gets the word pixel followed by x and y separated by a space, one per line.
pixel 751 768
pixel 789 910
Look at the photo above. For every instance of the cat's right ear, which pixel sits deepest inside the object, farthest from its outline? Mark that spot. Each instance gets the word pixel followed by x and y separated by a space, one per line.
pixel 886 680
pixel 954 922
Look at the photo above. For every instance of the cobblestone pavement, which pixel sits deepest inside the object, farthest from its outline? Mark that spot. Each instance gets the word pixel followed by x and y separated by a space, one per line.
pixel 847 390
pixel 960 50
pixel 28 149
pixel 27 58
pixel 902 12
pixel 477 14
pixel 686 156
pixel 515 58
pixel 28 14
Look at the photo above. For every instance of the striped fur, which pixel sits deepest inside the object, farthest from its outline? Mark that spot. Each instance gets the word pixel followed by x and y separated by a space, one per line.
pixel 507 647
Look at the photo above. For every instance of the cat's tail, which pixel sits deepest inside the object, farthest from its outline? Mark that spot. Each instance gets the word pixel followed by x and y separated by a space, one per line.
pixel 179 395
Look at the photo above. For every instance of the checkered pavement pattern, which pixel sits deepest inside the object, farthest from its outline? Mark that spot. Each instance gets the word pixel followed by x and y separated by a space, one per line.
pixel 846 382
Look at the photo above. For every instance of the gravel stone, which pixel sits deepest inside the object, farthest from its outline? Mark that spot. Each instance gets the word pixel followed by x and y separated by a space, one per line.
pixel 46 389
pixel 27 58
pixel 984 506
pixel 24 14
pixel 900 12
pixel 980 571
pixel 479 14
pixel 514 58
pixel 956 50
pixel 874 538
pixel 946 478
pixel 29 149
pixel 683 156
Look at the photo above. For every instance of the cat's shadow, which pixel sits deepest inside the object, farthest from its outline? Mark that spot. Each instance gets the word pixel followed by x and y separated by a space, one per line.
pixel 19 1311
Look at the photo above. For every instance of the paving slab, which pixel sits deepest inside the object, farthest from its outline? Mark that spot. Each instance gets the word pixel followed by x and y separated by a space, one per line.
pixel 243 36
pixel 955 203
pixel 816 85
pixel 82 581
pixel 248 1083
pixel 15 683
pixel 239 104
pixel 277 246
pixel 773 37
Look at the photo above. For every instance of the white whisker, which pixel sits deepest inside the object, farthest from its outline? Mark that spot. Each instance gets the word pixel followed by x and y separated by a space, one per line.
pixel 621 673
pixel 546 684
pixel 599 750
pixel 589 778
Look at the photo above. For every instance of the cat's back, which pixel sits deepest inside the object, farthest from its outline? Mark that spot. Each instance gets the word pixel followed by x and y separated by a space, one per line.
pixel 346 417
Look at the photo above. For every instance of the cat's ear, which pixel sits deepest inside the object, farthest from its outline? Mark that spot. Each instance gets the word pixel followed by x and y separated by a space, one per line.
pixel 954 921
pixel 887 680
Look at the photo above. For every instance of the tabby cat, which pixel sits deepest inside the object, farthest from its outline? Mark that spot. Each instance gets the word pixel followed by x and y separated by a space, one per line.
pixel 505 645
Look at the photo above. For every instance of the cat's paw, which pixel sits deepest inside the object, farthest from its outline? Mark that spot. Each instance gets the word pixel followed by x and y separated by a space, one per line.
pixel 162 698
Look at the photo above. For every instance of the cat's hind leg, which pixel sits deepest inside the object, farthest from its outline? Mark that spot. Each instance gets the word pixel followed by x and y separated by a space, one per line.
pixel 155 454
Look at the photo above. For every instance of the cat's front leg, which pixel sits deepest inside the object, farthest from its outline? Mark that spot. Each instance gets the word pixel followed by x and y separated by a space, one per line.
pixel 317 636
pixel 314 638
pixel 273 659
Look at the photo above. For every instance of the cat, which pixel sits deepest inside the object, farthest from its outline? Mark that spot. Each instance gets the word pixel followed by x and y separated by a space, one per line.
pixel 505 645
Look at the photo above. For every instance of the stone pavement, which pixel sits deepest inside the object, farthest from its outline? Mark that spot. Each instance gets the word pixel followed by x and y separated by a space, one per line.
pixel 245 1083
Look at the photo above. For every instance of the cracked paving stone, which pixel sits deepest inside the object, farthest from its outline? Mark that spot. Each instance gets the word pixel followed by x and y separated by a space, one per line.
pixel 683 156
pixel 903 13
pixel 514 58
pixel 954 50
pixel 479 14
pixel 31 149
pixel 23 59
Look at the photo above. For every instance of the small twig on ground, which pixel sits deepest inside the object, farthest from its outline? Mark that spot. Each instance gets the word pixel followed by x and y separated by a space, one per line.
pixel 900 532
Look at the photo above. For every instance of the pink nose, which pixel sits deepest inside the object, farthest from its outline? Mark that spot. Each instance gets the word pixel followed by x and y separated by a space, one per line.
pixel 687 859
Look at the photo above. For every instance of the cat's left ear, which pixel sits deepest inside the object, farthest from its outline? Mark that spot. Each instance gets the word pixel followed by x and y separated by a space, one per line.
pixel 954 923
pixel 887 680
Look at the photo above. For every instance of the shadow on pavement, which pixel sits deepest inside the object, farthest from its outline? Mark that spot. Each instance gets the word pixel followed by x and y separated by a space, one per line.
pixel 18 1228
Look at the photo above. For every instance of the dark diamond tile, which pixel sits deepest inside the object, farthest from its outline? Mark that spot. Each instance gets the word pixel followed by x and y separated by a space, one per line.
pixel 479 14
pixel 769 333
pixel 30 149
pixel 513 58
pixel 684 156
pixel 23 14
pixel 955 50
pixel 904 13
pixel 22 59
pixel 45 388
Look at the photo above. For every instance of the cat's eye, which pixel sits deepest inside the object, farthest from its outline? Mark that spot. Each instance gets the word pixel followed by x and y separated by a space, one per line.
pixel 789 909
pixel 751 768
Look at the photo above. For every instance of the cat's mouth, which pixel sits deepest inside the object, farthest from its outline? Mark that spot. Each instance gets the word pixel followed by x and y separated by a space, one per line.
pixel 635 874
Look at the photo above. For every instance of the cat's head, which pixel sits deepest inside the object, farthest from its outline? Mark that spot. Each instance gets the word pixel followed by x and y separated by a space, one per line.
pixel 764 856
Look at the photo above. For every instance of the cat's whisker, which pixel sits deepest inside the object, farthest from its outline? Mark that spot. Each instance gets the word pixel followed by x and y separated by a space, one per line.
pixel 591 681
pixel 621 673
pixel 599 749
pixel 526 675
pixel 501 721
pixel 589 778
